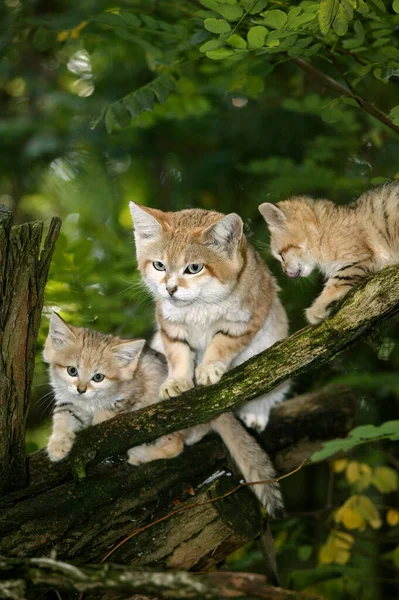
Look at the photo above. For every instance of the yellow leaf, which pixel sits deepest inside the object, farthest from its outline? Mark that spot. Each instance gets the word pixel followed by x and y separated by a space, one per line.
pixel 365 469
pixel 326 554
pixel 385 479
pixel 280 539
pixel 63 36
pixel 342 557
pixel 365 507
pixel 375 523
pixel 75 33
pixel 342 539
pixel 353 471
pixel 352 520
pixel 392 517
pixel 339 465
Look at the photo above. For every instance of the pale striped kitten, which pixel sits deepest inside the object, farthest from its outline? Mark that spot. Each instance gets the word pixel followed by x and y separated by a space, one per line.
pixel 347 243
pixel 96 376
pixel 216 301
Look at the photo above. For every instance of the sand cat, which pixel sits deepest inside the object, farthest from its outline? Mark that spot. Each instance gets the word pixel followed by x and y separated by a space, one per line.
pixel 96 376
pixel 347 243
pixel 216 301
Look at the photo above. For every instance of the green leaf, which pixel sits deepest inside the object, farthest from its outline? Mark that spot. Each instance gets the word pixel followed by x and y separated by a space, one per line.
pixel 344 16
pixel 236 41
pixel 162 86
pixel 130 19
pixel 358 27
pixel 132 105
pixel 362 7
pixel 146 98
pixel 220 54
pixel 395 5
pixel 217 25
pixel 275 18
pixel 249 7
pixel 211 4
pixel 379 4
pixel 109 119
pixel 256 36
pixel 304 552
pixel 327 13
pixel 108 18
pixel 149 22
pixel 211 45
pixel 230 12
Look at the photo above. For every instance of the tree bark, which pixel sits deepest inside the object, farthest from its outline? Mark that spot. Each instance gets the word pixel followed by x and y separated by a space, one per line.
pixel 40 574
pixel 82 521
pixel 23 275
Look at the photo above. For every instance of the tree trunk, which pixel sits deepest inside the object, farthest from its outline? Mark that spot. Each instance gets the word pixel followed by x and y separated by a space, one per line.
pixel 82 521
pixel 23 275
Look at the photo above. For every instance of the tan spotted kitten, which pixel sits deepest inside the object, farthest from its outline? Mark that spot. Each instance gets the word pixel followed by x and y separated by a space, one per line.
pixel 216 301
pixel 347 243
pixel 96 376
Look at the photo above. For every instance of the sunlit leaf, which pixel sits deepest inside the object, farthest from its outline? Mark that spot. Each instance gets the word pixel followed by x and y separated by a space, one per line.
pixel 256 36
pixel 275 18
pixel 217 25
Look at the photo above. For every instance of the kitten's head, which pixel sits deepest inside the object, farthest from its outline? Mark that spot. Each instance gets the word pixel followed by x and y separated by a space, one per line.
pixel 188 256
pixel 88 365
pixel 292 226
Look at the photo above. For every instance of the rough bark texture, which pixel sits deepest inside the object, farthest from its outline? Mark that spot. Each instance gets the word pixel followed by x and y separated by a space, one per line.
pixel 30 576
pixel 83 520
pixel 374 300
pixel 23 275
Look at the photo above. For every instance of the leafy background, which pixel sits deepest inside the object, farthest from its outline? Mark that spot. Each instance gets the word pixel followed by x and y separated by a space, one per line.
pixel 219 105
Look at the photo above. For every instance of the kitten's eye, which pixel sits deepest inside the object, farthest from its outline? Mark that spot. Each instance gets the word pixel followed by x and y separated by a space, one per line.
pixel 158 265
pixel 97 377
pixel 72 371
pixel 194 268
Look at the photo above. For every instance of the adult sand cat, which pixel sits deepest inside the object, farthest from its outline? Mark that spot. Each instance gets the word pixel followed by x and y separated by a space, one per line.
pixel 347 243
pixel 96 376
pixel 216 301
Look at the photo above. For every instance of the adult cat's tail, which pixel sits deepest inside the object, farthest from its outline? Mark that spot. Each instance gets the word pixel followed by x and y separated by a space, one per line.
pixel 251 459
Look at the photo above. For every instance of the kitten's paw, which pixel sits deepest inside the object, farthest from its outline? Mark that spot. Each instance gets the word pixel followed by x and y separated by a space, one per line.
pixel 210 373
pixel 175 387
pixel 253 420
pixel 138 455
pixel 59 446
pixel 316 313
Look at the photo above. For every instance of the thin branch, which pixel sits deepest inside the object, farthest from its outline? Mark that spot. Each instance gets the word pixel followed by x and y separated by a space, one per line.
pixel 47 573
pixel 343 91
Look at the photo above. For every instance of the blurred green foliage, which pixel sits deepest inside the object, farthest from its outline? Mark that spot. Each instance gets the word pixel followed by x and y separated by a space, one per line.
pixel 188 103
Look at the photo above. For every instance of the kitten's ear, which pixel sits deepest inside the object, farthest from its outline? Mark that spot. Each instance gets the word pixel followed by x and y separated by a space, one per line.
pixel 60 333
pixel 128 352
pixel 273 216
pixel 226 234
pixel 146 225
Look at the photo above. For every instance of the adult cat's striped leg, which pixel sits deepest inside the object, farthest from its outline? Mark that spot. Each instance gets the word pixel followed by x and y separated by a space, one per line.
pixel 180 359
pixel 67 421
pixel 336 287
pixel 223 348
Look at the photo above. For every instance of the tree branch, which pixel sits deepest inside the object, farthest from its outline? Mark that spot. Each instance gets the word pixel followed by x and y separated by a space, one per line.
pixel 343 91
pixel 25 576
pixel 374 300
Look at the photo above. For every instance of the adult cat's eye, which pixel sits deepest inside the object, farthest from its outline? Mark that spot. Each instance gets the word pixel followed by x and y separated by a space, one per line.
pixel 72 371
pixel 97 377
pixel 158 265
pixel 194 268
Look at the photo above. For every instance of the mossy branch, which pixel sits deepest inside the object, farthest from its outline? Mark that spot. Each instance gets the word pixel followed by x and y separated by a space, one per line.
pixel 373 301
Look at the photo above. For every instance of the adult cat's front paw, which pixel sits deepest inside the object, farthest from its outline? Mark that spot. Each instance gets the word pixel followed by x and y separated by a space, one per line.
pixel 316 313
pixel 59 446
pixel 174 387
pixel 210 373
pixel 254 420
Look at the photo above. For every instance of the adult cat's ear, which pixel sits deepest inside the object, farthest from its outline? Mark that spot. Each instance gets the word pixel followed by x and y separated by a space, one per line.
pixel 273 216
pixel 226 234
pixel 128 352
pixel 60 333
pixel 146 223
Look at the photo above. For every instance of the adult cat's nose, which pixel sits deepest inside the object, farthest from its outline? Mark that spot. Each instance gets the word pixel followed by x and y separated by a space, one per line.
pixel 81 389
pixel 171 290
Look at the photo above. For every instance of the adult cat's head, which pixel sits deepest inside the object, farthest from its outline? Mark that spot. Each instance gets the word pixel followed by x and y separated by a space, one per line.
pixel 188 256
pixel 86 365
pixel 293 226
